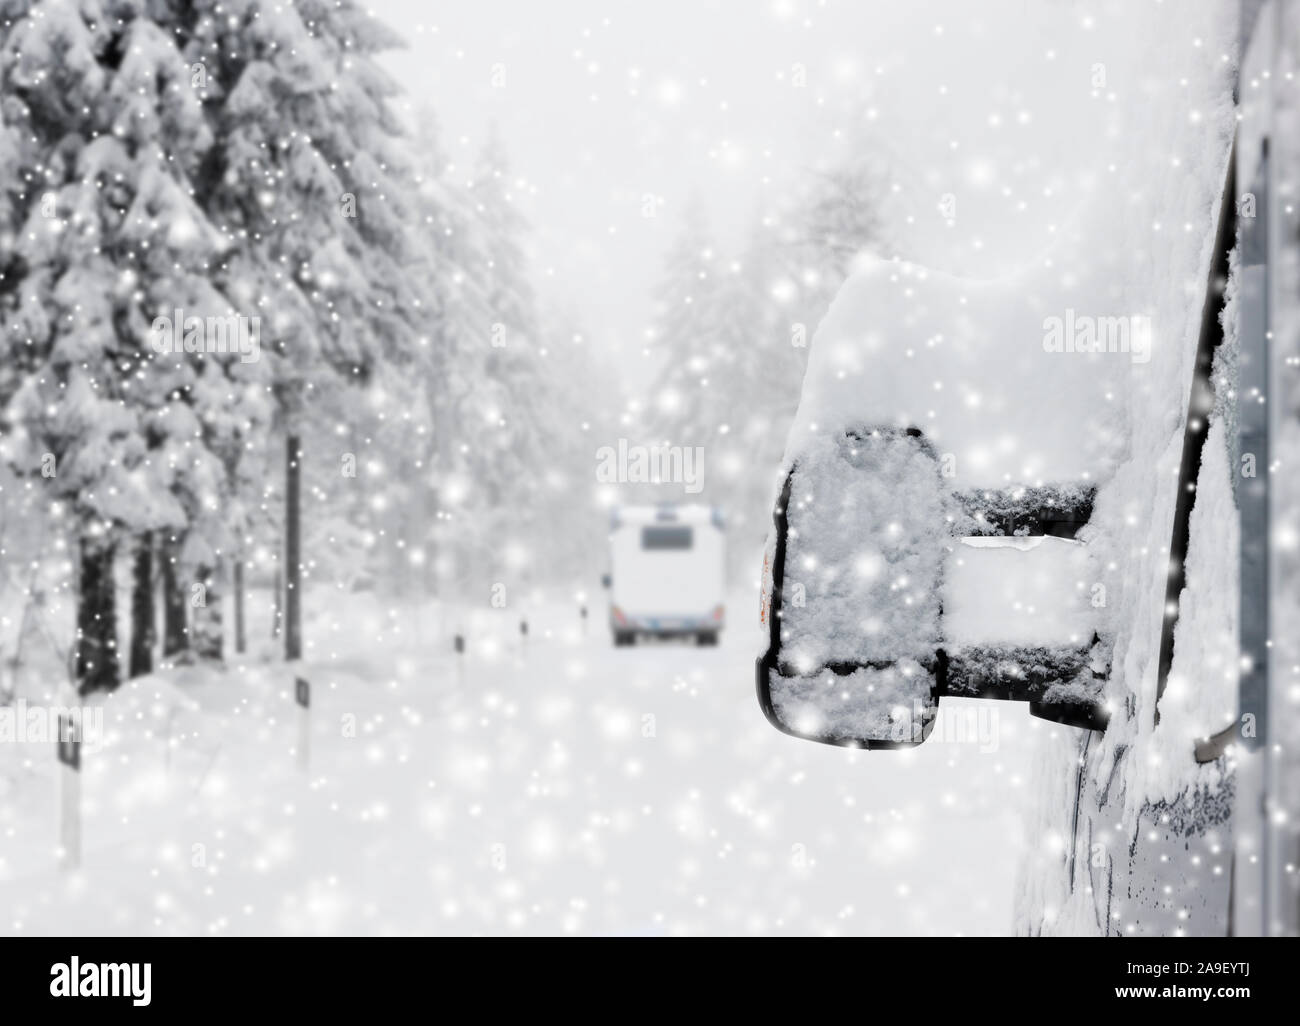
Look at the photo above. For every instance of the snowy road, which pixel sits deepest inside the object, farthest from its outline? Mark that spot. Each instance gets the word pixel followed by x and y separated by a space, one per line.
pixel 563 787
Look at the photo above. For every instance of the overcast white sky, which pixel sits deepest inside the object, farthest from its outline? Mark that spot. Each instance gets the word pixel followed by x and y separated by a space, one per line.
pixel 604 103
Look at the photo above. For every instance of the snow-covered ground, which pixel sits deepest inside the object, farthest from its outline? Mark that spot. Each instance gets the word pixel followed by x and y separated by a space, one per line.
pixel 562 787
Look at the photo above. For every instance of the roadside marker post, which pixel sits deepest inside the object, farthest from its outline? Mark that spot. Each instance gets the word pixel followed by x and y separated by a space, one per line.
pixel 302 696
pixel 68 747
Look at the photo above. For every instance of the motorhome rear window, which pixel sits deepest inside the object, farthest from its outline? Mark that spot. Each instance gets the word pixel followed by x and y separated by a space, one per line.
pixel 666 538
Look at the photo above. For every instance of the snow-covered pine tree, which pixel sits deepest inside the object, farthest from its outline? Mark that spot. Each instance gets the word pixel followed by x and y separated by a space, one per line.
pixel 687 351
pixel 307 178
pixel 758 397
pixel 500 421
pixel 731 341
pixel 452 352
pixel 584 400
pixel 838 219
pixel 101 231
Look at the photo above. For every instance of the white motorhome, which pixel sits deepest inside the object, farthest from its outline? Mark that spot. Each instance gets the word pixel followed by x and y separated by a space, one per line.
pixel 667 573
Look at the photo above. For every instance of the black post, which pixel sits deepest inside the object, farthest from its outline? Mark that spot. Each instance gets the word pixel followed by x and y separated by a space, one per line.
pixel 175 624
pixel 237 583
pixel 292 550
pixel 143 629
pixel 98 668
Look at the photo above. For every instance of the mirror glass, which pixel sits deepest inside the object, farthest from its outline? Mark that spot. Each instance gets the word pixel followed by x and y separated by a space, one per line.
pixel 862 531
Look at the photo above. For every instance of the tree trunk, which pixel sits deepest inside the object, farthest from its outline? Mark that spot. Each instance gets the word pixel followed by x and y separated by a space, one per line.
pixel 208 632
pixel 277 605
pixel 176 639
pixel 292 550
pixel 237 585
pixel 97 663
pixel 144 630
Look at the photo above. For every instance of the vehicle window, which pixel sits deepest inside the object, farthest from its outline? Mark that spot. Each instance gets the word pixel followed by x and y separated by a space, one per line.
pixel 666 538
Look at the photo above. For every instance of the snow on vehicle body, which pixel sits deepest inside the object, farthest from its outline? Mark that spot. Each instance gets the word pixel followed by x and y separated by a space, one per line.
pixel 667 574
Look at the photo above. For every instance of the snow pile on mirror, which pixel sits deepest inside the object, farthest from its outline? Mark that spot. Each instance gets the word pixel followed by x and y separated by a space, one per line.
pixel 868 524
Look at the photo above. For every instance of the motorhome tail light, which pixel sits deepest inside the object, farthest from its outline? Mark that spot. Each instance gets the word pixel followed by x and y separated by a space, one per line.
pixel 619 618
pixel 718 613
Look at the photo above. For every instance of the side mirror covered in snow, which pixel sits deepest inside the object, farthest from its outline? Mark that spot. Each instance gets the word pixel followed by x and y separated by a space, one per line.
pixel 853 615
pixel 886 590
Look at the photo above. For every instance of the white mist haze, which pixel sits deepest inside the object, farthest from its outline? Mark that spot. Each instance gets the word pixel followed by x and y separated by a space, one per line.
pixel 987 111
